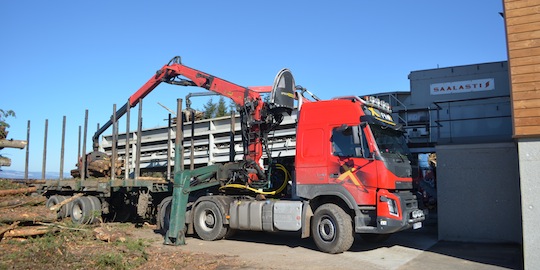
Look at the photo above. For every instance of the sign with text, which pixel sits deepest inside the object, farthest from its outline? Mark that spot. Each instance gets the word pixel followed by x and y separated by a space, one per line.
pixel 462 86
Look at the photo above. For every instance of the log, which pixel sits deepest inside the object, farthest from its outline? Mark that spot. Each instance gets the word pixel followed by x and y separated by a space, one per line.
pixel 9 228
pixel 17 191
pixel 28 182
pixel 60 226
pixel 11 203
pixel 75 173
pixel 100 168
pixel 30 231
pixel 150 178
pixel 23 201
pixel 107 235
pixel 13 144
pixel 4 161
pixel 57 207
pixel 10 216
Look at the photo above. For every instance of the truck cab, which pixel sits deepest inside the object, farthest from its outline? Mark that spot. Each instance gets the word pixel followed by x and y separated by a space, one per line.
pixel 349 151
pixel 351 174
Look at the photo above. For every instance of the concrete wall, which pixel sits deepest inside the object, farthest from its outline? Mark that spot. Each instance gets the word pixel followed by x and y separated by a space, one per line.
pixel 529 160
pixel 478 193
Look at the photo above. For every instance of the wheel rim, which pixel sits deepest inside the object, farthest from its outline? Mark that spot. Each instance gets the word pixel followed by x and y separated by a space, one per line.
pixel 77 212
pixel 207 220
pixel 327 229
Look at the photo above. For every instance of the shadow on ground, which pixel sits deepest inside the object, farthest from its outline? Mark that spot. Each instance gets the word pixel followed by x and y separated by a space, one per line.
pixel 436 255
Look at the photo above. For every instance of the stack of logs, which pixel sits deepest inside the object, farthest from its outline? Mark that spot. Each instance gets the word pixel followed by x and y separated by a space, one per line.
pixel 100 168
pixel 21 223
pixel 103 167
pixel 4 161
pixel 10 213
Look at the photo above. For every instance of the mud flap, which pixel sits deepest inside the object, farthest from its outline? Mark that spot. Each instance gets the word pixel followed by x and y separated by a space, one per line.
pixel 307 213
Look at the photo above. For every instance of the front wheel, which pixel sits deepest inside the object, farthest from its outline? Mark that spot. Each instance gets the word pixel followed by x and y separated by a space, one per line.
pixel 332 229
pixel 208 221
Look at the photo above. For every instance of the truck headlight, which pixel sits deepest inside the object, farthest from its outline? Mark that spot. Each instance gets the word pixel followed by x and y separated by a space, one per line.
pixel 392 207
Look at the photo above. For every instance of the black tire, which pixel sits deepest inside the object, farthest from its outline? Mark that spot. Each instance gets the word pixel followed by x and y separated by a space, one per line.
pixel 86 210
pixel 164 215
pixel 68 206
pixel 332 229
pixel 97 211
pixel 375 238
pixel 230 233
pixel 64 211
pixel 208 221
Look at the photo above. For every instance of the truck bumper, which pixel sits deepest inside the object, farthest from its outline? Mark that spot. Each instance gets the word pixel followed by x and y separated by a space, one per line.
pixel 395 212
pixel 388 225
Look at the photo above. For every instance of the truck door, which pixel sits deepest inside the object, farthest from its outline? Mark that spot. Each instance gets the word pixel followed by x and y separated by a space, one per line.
pixel 311 152
pixel 350 163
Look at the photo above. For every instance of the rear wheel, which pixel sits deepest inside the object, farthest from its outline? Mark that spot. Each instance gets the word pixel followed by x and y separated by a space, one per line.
pixel 64 211
pixel 97 211
pixel 332 229
pixel 208 221
pixel 86 210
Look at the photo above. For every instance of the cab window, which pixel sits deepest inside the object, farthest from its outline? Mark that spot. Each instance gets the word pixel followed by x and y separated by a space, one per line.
pixel 342 142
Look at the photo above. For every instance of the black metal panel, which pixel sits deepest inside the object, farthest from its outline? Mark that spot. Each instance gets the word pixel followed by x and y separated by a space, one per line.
pixel 282 96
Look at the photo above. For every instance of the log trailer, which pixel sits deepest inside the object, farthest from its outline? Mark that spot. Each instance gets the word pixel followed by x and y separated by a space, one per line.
pixel 351 173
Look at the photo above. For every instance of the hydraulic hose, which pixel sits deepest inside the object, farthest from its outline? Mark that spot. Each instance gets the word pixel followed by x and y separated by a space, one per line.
pixel 280 189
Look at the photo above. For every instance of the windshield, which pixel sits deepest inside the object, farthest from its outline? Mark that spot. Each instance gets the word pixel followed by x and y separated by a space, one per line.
pixel 390 141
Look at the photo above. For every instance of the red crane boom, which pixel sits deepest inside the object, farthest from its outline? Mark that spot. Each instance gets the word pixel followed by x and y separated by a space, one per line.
pixel 257 117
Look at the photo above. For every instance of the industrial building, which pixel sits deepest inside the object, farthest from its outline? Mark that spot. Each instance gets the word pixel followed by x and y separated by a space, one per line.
pixel 463 104
pixel 463 114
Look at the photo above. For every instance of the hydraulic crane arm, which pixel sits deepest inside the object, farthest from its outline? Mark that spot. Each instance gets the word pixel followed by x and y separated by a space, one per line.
pixel 171 73
pixel 176 73
pixel 257 117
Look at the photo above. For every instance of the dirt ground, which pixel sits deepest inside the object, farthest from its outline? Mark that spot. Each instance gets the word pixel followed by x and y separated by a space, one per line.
pixel 65 245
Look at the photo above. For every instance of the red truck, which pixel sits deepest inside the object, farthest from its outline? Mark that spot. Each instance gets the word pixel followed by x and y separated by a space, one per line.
pixel 351 174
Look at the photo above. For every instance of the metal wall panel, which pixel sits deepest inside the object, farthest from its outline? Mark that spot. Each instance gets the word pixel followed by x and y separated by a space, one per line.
pixel 211 143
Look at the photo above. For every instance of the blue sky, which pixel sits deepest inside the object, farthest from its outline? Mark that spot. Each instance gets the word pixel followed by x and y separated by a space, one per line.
pixel 63 57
